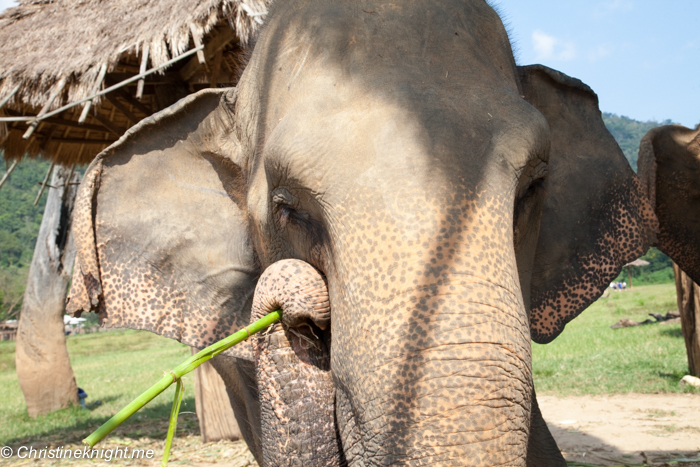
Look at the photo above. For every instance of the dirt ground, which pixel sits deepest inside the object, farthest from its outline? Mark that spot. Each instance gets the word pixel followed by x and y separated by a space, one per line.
pixel 630 429
pixel 619 430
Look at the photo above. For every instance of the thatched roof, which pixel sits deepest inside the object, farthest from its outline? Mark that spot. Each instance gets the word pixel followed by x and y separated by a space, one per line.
pixel 46 41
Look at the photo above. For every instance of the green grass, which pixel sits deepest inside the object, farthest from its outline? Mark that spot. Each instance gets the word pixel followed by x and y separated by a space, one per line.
pixel 113 367
pixel 590 358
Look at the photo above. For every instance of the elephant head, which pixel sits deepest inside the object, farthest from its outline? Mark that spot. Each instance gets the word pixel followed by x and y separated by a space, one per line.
pixel 457 206
pixel 669 167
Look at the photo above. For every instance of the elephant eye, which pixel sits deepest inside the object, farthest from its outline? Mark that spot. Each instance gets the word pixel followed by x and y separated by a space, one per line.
pixel 286 206
pixel 534 176
pixel 289 214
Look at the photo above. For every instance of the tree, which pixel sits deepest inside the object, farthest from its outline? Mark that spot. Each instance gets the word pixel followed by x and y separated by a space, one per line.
pixel 43 367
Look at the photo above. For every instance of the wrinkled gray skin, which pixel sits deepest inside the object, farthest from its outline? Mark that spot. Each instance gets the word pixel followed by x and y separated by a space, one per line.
pixel 454 206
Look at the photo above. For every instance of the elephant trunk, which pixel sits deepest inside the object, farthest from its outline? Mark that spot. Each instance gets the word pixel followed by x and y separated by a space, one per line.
pixel 297 395
pixel 445 381
pixel 449 389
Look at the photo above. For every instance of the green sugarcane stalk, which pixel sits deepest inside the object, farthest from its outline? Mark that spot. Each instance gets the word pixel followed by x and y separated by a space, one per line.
pixel 182 369
pixel 179 391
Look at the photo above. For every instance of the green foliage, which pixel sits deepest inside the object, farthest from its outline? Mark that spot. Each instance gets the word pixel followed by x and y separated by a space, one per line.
pixel 659 270
pixel 19 218
pixel 628 133
pixel 19 227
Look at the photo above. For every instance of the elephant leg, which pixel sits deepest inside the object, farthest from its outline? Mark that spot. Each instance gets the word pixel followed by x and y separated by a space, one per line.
pixel 296 392
pixel 542 450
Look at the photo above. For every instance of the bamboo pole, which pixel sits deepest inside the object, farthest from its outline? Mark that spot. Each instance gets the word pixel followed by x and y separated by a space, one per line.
pixel 104 91
pixel 43 184
pixel 54 94
pixel 9 171
pixel 255 15
pixel 198 44
pixel 98 83
pixel 144 62
pixel 182 369
pixel 9 96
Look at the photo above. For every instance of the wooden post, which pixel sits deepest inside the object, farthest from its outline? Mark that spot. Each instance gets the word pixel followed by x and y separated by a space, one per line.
pixel 43 367
pixel 213 407
pixel 688 299
pixel 216 71
pixel 629 275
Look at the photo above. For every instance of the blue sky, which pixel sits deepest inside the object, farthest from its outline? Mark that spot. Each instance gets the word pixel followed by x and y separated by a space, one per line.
pixel 642 57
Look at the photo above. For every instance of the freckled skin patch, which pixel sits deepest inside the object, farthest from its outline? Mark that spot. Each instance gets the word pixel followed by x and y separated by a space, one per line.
pixel 595 216
pixel 669 166
pixel 158 258
pixel 620 239
pixel 431 354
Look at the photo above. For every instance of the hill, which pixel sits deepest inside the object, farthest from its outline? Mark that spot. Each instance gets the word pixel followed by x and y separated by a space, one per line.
pixel 628 133
pixel 20 219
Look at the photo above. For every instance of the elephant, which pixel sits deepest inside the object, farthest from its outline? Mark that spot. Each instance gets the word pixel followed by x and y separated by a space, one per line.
pixel 420 207
pixel 669 169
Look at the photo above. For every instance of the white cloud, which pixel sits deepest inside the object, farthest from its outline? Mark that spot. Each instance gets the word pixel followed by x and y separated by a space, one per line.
pixel 611 6
pixel 552 48
pixel 600 52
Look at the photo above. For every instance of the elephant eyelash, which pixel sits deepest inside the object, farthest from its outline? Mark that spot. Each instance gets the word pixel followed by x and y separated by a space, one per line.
pixel 534 186
pixel 288 214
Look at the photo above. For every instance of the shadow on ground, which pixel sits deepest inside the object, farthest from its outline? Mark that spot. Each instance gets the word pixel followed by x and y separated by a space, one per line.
pixel 582 449
pixel 149 422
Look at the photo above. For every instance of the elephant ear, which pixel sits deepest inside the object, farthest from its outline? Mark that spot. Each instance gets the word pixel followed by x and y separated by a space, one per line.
pixel 595 217
pixel 669 167
pixel 159 228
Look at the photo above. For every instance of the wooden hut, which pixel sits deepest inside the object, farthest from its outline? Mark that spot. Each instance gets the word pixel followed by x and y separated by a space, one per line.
pixel 74 76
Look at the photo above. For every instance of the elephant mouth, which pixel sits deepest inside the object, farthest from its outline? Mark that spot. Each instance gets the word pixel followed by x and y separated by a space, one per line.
pixel 311 344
